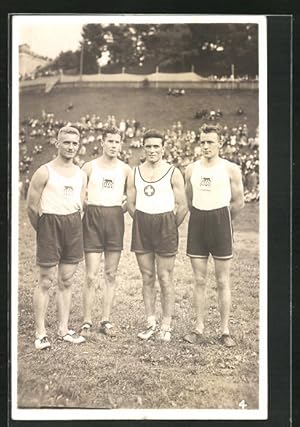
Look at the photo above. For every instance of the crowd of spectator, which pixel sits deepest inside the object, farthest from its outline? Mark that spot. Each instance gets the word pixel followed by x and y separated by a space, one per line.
pixel 181 145
pixel 39 73
pixel 176 91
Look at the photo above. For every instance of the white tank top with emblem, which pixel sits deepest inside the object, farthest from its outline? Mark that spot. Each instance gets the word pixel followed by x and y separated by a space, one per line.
pixel 211 185
pixel 154 197
pixel 106 186
pixel 61 194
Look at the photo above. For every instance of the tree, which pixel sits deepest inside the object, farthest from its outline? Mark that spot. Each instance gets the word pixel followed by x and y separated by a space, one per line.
pixel 211 48
pixel 66 61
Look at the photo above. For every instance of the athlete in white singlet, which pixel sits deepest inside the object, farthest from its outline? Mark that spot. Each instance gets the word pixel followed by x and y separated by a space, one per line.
pixel 103 227
pixel 157 203
pixel 54 207
pixel 214 192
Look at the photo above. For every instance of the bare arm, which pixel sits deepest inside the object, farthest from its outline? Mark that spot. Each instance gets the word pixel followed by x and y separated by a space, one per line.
pixel 83 191
pixel 36 187
pixel 124 201
pixel 87 169
pixel 237 191
pixel 181 207
pixel 188 186
pixel 131 194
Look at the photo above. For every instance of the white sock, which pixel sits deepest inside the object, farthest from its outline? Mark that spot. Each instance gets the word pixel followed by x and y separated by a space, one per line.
pixel 151 321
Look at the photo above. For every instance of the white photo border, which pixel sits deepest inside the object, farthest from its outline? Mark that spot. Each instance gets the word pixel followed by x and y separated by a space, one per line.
pixel 138 414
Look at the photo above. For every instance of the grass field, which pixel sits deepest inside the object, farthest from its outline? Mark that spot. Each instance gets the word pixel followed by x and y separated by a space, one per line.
pixel 127 373
pixel 124 372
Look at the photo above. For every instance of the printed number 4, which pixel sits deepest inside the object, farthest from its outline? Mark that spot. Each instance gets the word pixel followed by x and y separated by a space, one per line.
pixel 243 404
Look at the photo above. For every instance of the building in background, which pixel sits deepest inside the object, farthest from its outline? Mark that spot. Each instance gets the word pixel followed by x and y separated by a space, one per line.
pixel 30 62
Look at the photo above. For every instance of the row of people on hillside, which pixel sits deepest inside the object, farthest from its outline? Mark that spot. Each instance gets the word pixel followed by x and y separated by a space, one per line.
pixel 181 146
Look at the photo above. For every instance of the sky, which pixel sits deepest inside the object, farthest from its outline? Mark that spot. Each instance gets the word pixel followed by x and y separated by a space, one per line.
pixel 48 35
pixel 49 40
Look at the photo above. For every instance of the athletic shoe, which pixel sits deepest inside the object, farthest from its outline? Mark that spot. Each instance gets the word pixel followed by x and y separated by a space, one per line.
pixel 165 334
pixel 145 335
pixel 106 328
pixel 85 329
pixel 72 337
pixel 194 337
pixel 42 343
pixel 227 341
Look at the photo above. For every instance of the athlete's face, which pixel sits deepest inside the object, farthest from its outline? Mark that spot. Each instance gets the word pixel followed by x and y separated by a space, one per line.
pixel 68 146
pixel 210 144
pixel 154 149
pixel 112 145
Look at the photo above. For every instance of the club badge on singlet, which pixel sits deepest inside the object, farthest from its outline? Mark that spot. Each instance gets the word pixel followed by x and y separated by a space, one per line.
pixel 205 183
pixel 107 184
pixel 68 192
pixel 211 185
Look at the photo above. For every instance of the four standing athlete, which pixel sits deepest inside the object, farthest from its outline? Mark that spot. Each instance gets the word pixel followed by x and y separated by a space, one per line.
pixel 157 203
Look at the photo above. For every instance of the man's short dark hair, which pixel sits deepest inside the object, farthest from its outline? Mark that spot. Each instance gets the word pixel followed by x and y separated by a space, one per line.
pixel 154 133
pixel 110 129
pixel 205 128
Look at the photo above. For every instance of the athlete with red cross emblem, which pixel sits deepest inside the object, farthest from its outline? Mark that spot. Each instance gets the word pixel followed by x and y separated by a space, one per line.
pixel 156 201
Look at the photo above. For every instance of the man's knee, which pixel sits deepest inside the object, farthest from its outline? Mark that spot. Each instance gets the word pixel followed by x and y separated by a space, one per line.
pixel 223 283
pixel 65 280
pixel 200 282
pixel 91 279
pixel 148 278
pixel 46 280
pixel 110 276
pixel 164 278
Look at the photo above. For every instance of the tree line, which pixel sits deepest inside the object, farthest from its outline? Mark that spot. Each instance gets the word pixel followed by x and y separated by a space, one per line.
pixel 207 49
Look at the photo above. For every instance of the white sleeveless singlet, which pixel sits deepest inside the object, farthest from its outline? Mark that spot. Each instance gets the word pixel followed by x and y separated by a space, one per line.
pixel 211 185
pixel 61 195
pixel 154 197
pixel 106 186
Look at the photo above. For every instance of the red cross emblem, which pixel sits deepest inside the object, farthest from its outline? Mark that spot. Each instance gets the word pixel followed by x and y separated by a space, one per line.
pixel 149 190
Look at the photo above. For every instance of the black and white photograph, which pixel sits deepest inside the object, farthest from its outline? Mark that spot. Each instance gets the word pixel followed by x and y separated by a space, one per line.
pixel 139 217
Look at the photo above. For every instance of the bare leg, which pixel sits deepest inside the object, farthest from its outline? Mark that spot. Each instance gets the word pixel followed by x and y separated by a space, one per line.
pixel 147 267
pixel 41 298
pixel 222 268
pixel 92 263
pixel 64 295
pixel 165 266
pixel 199 266
pixel 111 265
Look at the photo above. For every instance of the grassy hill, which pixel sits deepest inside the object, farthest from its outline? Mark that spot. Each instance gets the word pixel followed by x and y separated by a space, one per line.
pixel 151 107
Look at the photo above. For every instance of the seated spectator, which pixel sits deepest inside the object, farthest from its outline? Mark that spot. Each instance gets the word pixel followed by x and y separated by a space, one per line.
pixel 181 145
pixel 95 150
pixel 82 150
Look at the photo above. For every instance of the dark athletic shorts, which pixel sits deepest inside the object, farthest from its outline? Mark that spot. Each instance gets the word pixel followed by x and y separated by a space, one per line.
pixel 210 232
pixel 103 228
pixel 59 239
pixel 156 233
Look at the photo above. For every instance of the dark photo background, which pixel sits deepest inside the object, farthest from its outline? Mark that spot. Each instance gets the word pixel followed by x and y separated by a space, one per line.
pixel 279 57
